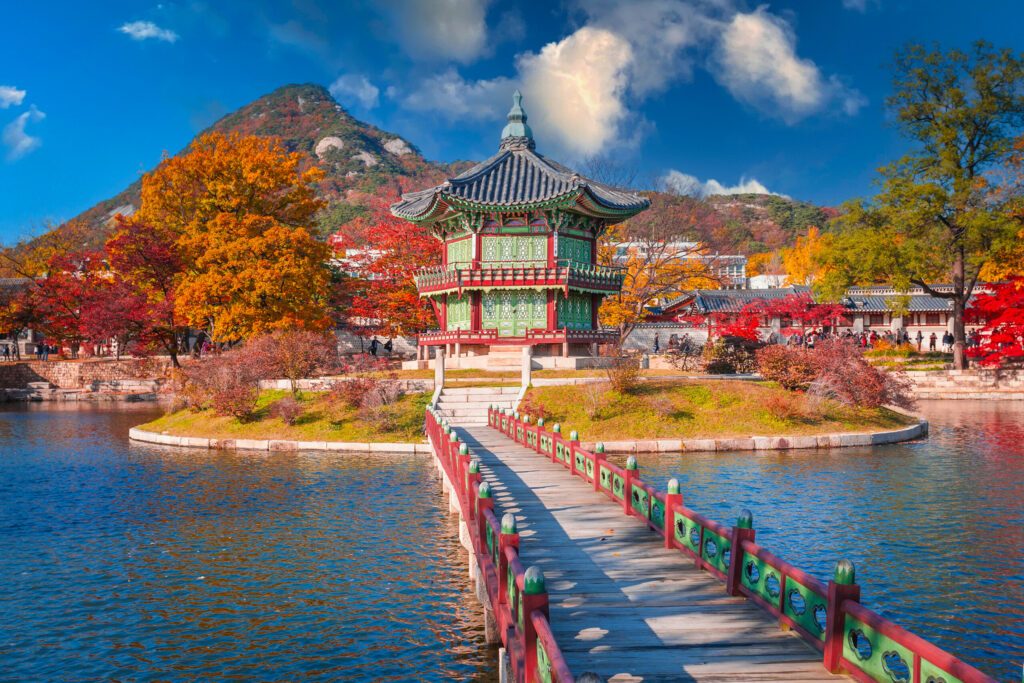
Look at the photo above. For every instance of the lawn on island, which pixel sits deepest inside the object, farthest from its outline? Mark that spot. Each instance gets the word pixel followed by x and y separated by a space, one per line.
pixel 697 409
pixel 322 420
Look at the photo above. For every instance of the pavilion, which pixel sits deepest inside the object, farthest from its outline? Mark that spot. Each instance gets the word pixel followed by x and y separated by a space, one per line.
pixel 520 263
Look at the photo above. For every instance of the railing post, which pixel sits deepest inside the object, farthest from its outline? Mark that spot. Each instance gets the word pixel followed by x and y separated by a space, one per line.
pixel 632 472
pixel 742 531
pixel 673 500
pixel 599 457
pixel 574 442
pixel 557 434
pixel 472 484
pixel 535 597
pixel 540 430
pixel 464 458
pixel 841 588
pixel 508 538
pixel 483 502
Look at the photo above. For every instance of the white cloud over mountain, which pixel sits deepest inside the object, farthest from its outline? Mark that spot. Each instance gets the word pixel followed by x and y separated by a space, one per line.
pixel 14 137
pixel 584 89
pixel 686 184
pixel 145 30
pixel 10 96
pixel 441 29
pixel 349 88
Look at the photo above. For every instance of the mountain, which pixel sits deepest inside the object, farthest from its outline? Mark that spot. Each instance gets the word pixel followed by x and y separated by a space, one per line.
pixel 362 160
pixel 358 158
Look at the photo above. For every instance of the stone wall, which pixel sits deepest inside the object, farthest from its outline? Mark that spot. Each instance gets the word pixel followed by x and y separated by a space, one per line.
pixel 968 384
pixel 87 375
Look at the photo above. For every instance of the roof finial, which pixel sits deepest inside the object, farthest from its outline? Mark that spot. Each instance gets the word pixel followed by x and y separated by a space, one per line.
pixel 516 133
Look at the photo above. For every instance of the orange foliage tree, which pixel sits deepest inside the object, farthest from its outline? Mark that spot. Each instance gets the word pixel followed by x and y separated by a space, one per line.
pixel 241 209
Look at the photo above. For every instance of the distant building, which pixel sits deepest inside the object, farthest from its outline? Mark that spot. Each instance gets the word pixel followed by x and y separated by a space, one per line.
pixel 767 281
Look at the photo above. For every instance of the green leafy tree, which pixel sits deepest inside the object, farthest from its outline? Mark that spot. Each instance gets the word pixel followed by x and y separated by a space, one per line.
pixel 938 218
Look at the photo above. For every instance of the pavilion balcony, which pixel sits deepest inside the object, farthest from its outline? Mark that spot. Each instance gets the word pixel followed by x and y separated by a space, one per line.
pixel 565 275
pixel 532 337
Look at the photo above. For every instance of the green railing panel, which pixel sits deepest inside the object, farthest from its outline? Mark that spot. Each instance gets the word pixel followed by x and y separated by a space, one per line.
pixel 657 513
pixel 805 607
pixel 606 478
pixel 762 579
pixel 560 452
pixel 618 487
pixel 590 469
pixel 510 578
pixel 543 663
pixel 580 462
pixel 933 674
pixel 641 503
pixel 687 532
pixel 877 655
pixel 716 550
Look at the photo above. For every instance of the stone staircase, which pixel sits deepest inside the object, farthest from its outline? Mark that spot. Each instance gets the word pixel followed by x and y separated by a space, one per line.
pixel 467 406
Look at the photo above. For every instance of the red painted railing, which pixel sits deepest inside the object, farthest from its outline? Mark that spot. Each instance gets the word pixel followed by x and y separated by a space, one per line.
pixel 852 638
pixel 516 595
pixel 533 336
pixel 564 275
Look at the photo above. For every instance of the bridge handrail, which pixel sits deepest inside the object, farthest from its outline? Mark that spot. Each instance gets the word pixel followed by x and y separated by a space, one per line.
pixel 829 616
pixel 517 595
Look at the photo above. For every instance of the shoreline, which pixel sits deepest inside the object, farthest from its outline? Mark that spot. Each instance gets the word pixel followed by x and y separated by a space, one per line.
pixel 144 436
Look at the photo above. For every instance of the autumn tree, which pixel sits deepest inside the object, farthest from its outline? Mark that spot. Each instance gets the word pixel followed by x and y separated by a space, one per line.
pixel 241 209
pixel 17 309
pixel 62 298
pixel 937 218
pixel 659 259
pixel 803 261
pixel 1001 338
pixel 381 288
pixel 293 355
pixel 147 264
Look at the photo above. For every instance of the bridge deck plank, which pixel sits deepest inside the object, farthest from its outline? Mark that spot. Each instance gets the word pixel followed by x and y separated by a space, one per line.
pixel 621 604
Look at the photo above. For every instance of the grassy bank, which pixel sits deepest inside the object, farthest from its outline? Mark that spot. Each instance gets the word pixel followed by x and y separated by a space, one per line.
pixel 322 419
pixel 699 409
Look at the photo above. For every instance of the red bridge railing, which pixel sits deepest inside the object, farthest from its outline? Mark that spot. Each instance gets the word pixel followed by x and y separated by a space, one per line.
pixel 851 637
pixel 516 595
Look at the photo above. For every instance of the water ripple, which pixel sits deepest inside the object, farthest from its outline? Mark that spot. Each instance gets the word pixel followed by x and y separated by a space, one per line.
pixel 144 564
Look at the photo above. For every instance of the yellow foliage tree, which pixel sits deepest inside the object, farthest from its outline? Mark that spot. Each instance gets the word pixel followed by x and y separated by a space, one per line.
pixel 241 207
pixel 802 261
pixel 657 267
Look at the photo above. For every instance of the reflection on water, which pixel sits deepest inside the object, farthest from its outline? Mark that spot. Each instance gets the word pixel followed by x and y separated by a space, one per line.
pixel 935 527
pixel 142 563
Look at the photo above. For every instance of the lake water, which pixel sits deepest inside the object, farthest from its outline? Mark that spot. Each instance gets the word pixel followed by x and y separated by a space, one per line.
pixel 935 528
pixel 135 563
pixel 141 563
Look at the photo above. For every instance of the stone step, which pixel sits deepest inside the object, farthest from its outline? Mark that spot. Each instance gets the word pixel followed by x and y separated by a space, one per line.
pixel 480 391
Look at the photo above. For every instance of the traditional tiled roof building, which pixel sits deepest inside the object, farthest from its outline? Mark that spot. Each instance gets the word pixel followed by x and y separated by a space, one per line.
pixel 520 238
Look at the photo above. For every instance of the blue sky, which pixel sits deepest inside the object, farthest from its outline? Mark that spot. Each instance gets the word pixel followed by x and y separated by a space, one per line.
pixel 705 95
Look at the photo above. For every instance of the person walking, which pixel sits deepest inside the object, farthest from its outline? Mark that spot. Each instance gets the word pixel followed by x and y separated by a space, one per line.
pixel 388 347
pixel 920 340
pixel 931 341
pixel 7 352
pixel 657 342
pixel 374 345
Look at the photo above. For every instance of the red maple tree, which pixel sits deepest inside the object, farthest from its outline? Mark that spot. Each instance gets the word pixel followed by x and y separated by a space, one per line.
pixel 1001 339
pixel 804 312
pixel 380 290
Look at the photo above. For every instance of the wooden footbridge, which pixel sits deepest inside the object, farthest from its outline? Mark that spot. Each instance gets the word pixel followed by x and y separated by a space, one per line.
pixel 585 569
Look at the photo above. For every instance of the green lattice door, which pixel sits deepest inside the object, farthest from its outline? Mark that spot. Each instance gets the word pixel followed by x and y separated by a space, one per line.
pixel 514 250
pixel 575 312
pixel 513 312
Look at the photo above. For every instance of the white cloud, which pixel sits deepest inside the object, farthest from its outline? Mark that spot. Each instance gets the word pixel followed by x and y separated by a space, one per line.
pixel 442 29
pixel 143 30
pixel 16 140
pixel 10 96
pixel 686 184
pixel 453 98
pixel 576 89
pixel 756 61
pixel 355 88
pixel 856 5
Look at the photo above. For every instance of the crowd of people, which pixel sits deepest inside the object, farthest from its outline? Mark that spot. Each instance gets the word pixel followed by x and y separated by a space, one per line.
pixel 864 340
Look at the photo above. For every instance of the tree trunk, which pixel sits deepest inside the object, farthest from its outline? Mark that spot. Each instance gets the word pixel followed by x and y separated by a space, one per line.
pixel 959 304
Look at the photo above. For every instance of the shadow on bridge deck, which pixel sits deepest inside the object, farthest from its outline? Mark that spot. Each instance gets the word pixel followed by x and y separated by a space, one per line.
pixel 622 605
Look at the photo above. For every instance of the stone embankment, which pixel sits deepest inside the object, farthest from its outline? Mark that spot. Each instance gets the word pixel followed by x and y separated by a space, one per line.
pixel 976 383
pixel 131 379
pixel 141 435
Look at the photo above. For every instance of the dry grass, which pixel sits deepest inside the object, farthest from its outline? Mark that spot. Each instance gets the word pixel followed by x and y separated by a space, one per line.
pixel 695 409
pixel 321 420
